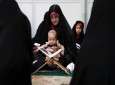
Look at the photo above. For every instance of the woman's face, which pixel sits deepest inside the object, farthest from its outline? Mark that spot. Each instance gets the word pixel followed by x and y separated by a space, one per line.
pixel 54 18
pixel 78 29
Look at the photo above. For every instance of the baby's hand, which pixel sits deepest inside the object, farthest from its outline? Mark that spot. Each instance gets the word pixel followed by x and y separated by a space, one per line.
pixel 50 61
pixel 47 59
pixel 57 59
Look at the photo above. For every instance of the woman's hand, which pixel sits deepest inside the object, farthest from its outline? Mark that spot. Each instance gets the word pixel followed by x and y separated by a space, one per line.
pixel 36 48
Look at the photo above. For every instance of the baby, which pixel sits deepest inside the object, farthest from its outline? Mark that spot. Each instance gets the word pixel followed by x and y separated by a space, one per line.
pixel 53 46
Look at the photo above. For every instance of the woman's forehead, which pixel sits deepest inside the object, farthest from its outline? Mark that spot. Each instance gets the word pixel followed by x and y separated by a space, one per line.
pixel 54 14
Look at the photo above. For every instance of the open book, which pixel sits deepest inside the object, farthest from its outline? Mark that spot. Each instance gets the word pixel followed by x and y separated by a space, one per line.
pixel 47 53
pixel 50 55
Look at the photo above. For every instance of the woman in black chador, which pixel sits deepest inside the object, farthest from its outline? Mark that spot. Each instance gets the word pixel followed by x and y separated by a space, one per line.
pixel 54 19
pixel 15 45
pixel 78 33
pixel 97 53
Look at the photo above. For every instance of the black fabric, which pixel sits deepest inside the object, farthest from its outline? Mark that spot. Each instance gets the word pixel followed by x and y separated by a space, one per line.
pixel 97 57
pixel 63 31
pixel 80 39
pixel 15 45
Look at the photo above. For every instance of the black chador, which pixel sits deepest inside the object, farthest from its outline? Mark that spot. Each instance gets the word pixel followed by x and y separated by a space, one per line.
pixel 97 56
pixel 15 45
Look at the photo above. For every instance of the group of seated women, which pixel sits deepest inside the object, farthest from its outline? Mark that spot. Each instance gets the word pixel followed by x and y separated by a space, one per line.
pixel 55 32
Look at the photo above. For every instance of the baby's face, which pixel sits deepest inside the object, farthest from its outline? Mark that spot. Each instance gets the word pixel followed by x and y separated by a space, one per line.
pixel 52 39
